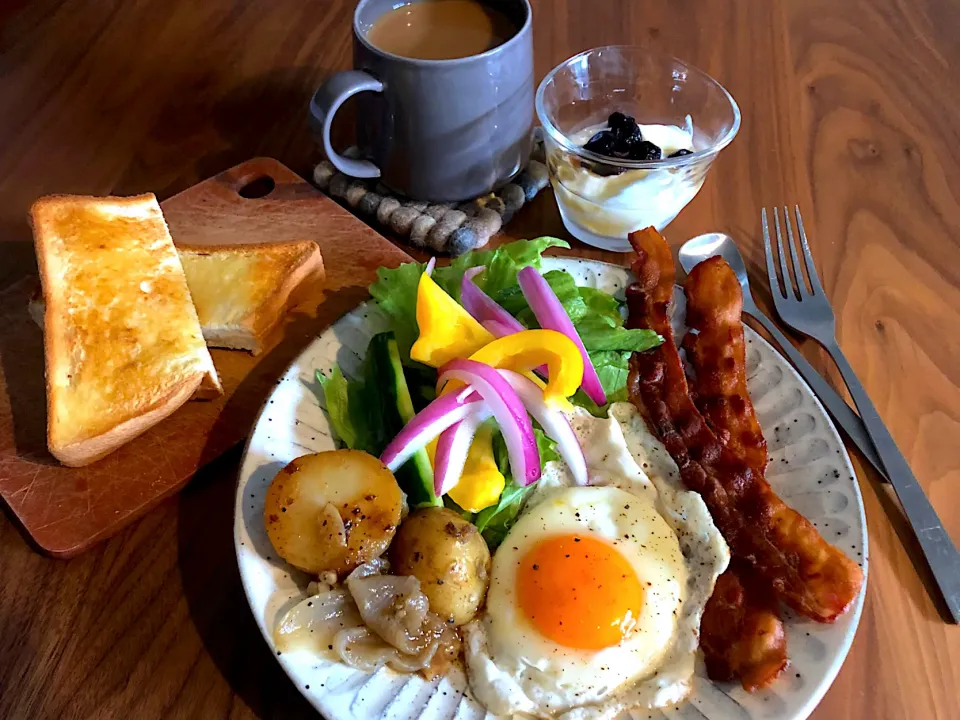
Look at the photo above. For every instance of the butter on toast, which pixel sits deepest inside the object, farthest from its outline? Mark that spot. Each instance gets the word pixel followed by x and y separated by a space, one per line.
pixel 122 340
pixel 242 292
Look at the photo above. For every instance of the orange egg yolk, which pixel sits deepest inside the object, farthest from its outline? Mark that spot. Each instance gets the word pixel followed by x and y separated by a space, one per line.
pixel 578 591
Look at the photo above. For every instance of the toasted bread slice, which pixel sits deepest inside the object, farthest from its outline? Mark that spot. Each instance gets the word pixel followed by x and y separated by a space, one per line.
pixel 122 340
pixel 242 292
pixel 209 387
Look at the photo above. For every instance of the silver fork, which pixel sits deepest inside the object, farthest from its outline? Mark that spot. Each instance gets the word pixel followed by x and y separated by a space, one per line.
pixel 807 310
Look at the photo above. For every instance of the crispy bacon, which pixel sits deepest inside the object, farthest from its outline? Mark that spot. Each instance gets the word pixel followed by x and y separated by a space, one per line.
pixel 810 575
pixel 718 356
pixel 741 632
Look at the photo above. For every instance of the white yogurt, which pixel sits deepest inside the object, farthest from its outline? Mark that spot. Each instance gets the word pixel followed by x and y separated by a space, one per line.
pixel 602 210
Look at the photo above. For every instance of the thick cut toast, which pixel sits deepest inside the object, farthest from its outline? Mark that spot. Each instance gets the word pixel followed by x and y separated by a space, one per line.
pixel 241 292
pixel 122 340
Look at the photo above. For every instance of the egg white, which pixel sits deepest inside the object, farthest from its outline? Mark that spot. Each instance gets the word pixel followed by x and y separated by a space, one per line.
pixel 631 525
pixel 670 541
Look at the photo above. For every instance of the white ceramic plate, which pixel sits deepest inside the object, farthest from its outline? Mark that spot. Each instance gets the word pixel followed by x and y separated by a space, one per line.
pixel 810 470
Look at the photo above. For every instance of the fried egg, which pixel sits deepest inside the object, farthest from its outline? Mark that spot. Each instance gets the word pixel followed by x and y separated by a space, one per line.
pixel 596 593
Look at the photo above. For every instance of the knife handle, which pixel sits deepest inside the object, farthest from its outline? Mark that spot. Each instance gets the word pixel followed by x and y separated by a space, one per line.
pixel 938 548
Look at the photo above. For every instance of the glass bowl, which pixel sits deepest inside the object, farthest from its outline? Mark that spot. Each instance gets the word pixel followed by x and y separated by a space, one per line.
pixel 602 199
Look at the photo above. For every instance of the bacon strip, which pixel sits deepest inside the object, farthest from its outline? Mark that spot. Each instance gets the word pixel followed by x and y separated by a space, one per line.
pixel 741 632
pixel 810 575
pixel 718 355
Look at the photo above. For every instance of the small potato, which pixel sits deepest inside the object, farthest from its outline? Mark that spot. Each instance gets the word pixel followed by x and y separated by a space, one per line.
pixel 332 511
pixel 449 558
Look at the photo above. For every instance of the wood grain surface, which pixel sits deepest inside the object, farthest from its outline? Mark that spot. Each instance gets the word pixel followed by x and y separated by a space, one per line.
pixel 850 109
pixel 66 510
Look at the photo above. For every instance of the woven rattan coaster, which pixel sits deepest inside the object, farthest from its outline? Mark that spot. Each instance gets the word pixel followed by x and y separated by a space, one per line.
pixel 453 228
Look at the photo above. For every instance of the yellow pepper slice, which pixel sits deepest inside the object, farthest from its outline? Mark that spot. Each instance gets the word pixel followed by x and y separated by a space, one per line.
pixel 524 351
pixel 481 482
pixel 447 331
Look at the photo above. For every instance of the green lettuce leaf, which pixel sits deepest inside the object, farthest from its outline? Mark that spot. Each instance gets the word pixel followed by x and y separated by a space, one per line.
pixel 336 396
pixel 580 399
pixel 579 302
pixel 395 291
pixel 599 336
pixel 546 447
pixel 495 521
pixel 348 405
pixel 611 366
pixel 598 302
pixel 594 313
pixel 563 285
pixel 502 265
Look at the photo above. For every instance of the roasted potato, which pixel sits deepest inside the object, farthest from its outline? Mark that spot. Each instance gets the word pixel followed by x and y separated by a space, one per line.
pixel 332 511
pixel 449 558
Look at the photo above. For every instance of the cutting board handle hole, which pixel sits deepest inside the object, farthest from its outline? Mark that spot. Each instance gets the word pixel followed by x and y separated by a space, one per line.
pixel 258 187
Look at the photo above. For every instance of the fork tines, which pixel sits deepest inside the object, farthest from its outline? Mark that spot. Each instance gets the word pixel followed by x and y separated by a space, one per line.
pixel 804 280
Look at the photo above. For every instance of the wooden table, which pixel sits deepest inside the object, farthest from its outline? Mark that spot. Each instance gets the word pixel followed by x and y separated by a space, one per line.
pixel 850 109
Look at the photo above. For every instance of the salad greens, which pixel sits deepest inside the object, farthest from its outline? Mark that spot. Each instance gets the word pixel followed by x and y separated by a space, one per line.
pixel 502 265
pixel 396 289
pixel 494 522
pixel 596 315
pixel 346 400
pixel 396 293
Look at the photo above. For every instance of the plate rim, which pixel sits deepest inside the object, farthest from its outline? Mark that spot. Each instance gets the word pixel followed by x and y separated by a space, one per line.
pixel 855 611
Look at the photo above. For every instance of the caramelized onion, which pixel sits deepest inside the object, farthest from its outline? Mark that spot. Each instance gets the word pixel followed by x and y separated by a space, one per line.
pixel 371 621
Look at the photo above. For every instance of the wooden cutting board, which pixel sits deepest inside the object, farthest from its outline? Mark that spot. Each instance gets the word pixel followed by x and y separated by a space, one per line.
pixel 66 510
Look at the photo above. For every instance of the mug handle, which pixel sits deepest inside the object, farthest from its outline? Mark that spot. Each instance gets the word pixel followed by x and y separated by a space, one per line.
pixel 324 105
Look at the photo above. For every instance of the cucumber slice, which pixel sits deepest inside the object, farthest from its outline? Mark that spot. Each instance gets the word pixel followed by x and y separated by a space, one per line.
pixel 385 372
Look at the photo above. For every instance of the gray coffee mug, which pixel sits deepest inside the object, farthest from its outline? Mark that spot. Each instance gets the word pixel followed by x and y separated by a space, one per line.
pixel 437 130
